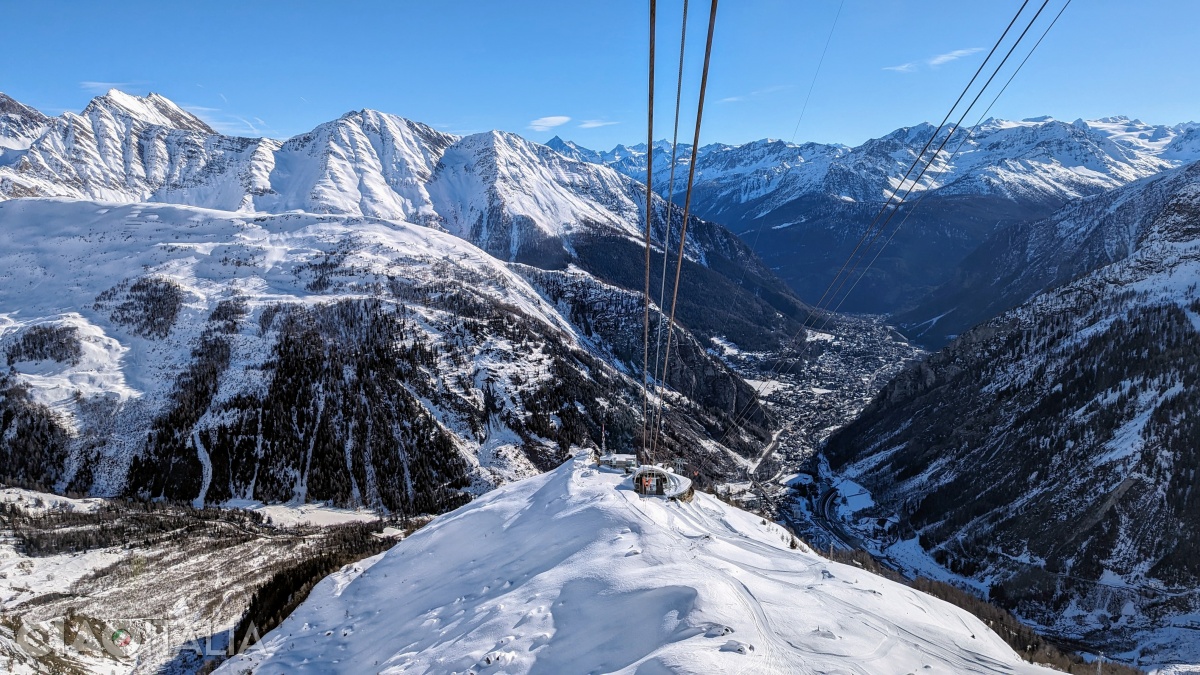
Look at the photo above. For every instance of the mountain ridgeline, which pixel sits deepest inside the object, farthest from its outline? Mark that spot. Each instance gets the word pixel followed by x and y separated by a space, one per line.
pixel 805 206
pixel 372 313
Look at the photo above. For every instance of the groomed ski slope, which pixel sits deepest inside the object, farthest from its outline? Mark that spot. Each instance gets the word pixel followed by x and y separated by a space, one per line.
pixel 572 572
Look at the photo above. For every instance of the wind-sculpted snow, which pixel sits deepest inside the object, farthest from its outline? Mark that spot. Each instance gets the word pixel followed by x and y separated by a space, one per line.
pixel 572 572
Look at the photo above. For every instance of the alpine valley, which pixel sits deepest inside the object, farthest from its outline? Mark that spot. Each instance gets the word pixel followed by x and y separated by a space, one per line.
pixel 1045 455
pixel 262 360
pixel 373 318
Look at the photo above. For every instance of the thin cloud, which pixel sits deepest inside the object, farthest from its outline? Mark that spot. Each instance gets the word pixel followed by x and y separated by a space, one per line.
pixel 941 59
pixel 198 109
pixel 771 89
pixel 547 123
pixel 232 124
pixel 236 125
pixel 592 124
pixel 756 93
pixel 225 127
pixel 933 61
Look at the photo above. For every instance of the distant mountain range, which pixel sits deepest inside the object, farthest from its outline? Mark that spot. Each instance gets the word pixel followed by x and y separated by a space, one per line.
pixel 1047 453
pixel 804 206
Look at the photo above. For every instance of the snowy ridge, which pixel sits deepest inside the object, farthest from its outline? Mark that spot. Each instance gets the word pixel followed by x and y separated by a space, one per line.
pixel 1028 159
pixel 516 199
pixel 154 109
pixel 1029 258
pixel 19 125
pixel 109 315
pixel 803 206
pixel 1049 453
pixel 571 571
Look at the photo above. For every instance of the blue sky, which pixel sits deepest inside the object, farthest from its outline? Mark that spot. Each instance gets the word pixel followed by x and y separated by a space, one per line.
pixel 263 67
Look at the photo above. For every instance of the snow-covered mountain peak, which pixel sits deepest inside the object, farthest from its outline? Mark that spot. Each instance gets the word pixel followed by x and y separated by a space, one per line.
pixel 915 135
pixel 572 572
pixel 573 150
pixel 11 106
pixel 621 153
pixel 377 119
pixel 1185 146
pixel 509 194
pixel 1119 119
pixel 20 125
pixel 154 109
pixel 365 162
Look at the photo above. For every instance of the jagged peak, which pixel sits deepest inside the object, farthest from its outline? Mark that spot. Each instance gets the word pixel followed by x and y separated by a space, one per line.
pixel 371 113
pixel 498 137
pixel 907 134
pixel 153 109
pixel 11 106
pixel 377 116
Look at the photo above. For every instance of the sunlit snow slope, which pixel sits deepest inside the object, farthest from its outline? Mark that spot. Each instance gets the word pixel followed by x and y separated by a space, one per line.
pixel 572 572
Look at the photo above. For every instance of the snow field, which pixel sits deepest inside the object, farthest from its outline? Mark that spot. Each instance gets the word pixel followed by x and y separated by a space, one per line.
pixel 572 572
